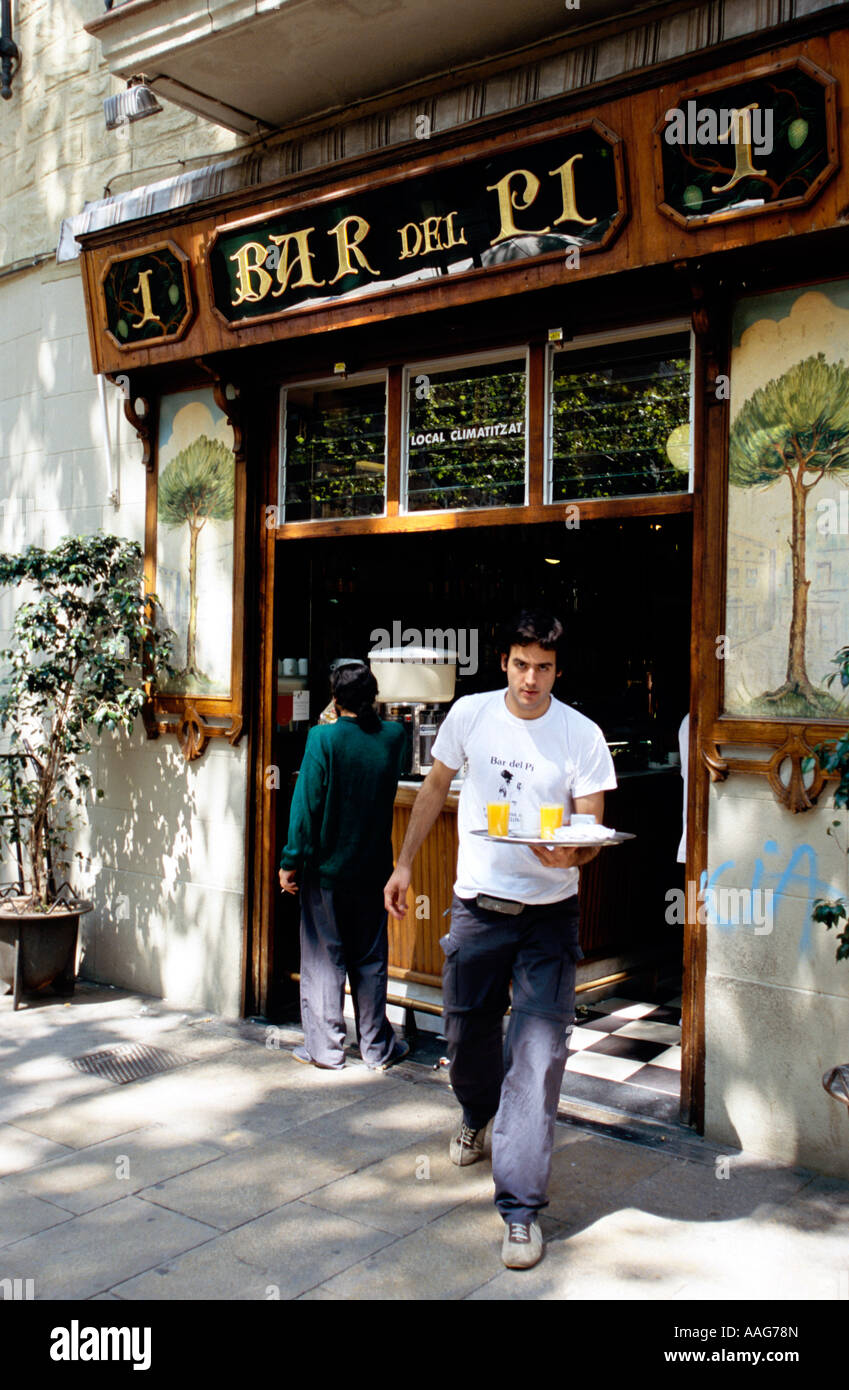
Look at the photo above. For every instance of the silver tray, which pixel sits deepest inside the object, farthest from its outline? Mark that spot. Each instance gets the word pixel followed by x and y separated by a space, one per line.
pixel 619 838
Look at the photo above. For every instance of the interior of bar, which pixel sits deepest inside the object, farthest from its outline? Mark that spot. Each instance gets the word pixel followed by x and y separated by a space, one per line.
pixel 617 427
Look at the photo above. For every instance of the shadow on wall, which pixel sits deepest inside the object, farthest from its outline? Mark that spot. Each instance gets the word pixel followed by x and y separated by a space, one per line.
pixel 164 865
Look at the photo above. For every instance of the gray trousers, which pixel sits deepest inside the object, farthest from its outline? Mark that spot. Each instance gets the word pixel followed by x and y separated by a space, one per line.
pixel 343 932
pixel 517 1078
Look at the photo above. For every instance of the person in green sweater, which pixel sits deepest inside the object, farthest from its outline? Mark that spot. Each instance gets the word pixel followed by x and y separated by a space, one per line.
pixel 340 844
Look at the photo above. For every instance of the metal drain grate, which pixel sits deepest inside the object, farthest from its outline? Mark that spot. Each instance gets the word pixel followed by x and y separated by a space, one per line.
pixel 128 1062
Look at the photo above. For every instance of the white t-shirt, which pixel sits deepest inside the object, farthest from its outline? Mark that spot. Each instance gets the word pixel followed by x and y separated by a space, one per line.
pixel 529 763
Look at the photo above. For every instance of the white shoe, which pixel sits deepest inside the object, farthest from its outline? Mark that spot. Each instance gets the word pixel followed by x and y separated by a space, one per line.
pixel 466 1145
pixel 522 1246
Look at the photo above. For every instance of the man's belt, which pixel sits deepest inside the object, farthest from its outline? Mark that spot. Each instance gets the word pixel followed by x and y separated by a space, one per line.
pixel 509 906
pixel 505 905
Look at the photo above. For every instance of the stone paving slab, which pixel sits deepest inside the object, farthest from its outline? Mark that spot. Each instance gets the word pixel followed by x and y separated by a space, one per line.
pixel 22 1215
pixel 19 1149
pixel 408 1189
pixel 90 1253
pixel 279 1255
pixel 253 1177
pixel 241 1186
pixel 446 1259
pixel 750 1186
pixel 587 1177
pixel 107 1172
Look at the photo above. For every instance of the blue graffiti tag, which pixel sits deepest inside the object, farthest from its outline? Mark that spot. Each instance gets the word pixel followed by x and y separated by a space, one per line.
pixel 763 877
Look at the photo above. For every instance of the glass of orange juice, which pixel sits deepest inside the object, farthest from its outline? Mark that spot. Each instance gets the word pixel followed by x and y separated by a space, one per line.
pixel 550 817
pixel 498 817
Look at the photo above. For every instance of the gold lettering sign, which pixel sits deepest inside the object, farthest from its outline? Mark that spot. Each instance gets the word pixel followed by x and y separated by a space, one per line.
pixel 143 288
pixel 428 236
pixel 302 258
pixel 246 269
pixel 510 198
pixel 567 190
pixel 457 217
pixel 345 247
pixel 741 125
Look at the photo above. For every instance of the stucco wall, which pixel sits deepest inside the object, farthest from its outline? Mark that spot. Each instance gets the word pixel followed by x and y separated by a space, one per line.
pixel 165 846
pixel 55 151
pixel 777 1002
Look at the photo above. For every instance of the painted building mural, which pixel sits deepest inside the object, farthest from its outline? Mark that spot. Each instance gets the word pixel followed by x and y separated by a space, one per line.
pixel 194 550
pixel 787 611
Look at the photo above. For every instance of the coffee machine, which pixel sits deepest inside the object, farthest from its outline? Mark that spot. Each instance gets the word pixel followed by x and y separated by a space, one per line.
pixel 415 688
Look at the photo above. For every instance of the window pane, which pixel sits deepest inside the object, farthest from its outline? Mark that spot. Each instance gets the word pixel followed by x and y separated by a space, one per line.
pixel 467 437
pixel 619 418
pixel 335 450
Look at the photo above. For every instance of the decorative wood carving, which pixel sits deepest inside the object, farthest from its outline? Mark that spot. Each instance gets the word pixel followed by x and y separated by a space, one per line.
pixel 141 423
pixel 796 748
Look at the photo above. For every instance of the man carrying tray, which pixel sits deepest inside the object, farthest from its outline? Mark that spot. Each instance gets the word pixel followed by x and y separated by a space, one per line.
pixel 514 915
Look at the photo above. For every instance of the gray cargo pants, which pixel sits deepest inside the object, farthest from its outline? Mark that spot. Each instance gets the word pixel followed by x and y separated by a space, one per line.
pixel 343 932
pixel 517 1078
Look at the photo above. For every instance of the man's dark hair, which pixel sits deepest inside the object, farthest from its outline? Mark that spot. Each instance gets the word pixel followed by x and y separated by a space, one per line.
pixel 355 689
pixel 533 626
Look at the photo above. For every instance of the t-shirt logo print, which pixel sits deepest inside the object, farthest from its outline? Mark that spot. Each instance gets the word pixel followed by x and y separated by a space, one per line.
pixel 507 778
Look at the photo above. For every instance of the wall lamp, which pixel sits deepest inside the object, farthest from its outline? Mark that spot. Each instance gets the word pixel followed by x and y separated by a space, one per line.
pixel 134 104
pixel 10 54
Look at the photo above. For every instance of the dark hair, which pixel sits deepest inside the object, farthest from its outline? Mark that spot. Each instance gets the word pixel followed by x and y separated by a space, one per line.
pixel 532 626
pixel 355 689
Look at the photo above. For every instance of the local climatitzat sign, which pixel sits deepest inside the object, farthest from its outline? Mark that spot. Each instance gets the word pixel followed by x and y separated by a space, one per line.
pixel 467 433
pixel 558 195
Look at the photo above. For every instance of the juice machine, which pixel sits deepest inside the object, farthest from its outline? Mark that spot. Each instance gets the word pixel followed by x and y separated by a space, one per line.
pixel 415 686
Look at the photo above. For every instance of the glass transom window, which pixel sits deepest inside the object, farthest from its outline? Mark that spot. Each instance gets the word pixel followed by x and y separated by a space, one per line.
pixel 619 423
pixel 466 435
pixel 335 450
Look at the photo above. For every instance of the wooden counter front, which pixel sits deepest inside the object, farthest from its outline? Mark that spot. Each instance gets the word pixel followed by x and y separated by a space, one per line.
pixel 414 950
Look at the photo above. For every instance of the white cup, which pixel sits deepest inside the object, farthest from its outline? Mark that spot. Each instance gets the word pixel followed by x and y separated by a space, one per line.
pixel 290 666
pixel 303 667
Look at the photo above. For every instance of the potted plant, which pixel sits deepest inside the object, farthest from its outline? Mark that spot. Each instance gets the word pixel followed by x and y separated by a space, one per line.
pixel 84 652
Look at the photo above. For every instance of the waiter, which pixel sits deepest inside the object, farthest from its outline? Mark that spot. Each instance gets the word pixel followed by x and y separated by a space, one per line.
pixel 514 915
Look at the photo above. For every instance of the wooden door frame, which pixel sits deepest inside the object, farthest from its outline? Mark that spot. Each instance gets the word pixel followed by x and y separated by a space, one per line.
pixel 261 798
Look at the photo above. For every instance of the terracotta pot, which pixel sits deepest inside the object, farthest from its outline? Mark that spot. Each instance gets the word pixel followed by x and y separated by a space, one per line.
pixel 38 949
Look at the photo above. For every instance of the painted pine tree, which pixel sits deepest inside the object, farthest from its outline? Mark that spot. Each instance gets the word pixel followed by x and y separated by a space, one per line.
pixel 196 487
pixel 795 427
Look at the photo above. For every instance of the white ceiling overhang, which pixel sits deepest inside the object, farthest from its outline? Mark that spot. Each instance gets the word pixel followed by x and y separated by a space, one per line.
pixel 267 64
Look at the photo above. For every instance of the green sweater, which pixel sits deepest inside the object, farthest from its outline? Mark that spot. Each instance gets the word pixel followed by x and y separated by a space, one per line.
pixel 340 824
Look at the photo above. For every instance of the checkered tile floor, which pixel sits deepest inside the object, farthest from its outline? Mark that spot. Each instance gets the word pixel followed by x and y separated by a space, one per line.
pixel 627 1055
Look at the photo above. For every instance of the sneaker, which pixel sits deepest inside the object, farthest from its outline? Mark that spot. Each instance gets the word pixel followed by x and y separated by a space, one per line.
pixel 401 1050
pixel 467 1145
pixel 522 1246
pixel 300 1054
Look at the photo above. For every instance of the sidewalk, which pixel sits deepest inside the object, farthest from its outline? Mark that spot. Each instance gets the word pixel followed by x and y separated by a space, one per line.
pixel 240 1174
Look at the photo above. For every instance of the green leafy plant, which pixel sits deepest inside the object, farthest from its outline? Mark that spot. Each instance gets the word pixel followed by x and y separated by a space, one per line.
pixel 84 650
pixel 833 758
